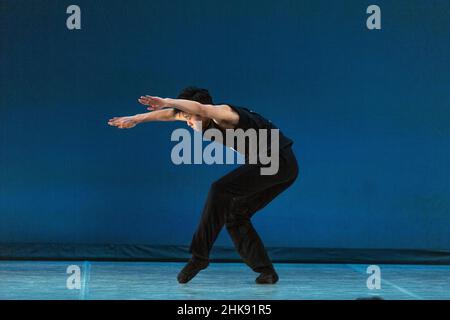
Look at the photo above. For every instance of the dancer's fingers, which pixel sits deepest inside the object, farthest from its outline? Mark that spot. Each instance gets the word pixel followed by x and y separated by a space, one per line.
pixel 150 98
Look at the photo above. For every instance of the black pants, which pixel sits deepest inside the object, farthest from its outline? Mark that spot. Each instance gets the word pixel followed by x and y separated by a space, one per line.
pixel 233 199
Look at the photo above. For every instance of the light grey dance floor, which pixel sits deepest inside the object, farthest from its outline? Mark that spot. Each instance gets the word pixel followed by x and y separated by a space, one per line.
pixel 157 280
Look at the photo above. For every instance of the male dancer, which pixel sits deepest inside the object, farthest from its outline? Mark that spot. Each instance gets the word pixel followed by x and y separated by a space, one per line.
pixel 234 198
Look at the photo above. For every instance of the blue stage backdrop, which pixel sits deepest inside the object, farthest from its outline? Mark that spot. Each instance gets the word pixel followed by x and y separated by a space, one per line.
pixel 369 111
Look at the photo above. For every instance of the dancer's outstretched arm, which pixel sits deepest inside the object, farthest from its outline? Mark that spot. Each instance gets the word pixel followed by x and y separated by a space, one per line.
pixel 131 121
pixel 220 113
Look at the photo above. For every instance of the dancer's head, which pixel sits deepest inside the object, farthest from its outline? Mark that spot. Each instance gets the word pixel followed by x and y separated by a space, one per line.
pixel 195 94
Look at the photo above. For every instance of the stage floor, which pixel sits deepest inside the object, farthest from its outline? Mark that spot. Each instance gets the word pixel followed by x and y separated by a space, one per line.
pixel 157 280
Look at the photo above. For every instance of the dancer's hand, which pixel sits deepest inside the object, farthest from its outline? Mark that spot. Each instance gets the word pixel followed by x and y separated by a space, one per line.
pixel 123 122
pixel 153 103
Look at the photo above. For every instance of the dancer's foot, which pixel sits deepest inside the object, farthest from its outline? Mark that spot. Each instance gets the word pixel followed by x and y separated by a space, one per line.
pixel 191 269
pixel 267 277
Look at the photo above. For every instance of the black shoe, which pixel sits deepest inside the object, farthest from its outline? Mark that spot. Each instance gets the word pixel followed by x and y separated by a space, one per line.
pixel 267 278
pixel 191 269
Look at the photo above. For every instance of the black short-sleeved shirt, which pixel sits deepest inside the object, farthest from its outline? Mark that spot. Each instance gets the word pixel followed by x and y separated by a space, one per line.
pixel 249 119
